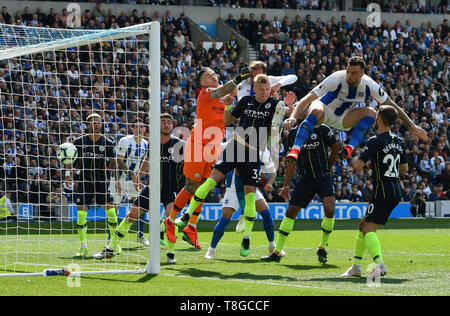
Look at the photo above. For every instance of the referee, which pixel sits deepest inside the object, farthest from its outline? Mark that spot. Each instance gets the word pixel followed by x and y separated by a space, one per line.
pixel 96 154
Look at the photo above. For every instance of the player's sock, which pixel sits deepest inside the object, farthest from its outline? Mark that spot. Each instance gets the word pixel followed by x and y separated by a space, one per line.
pixel 112 219
pixel 286 227
pixel 360 248
pixel 219 230
pixel 249 213
pixel 120 233
pixel 193 220
pixel 141 223
pixel 358 131
pixel 305 130
pixel 200 195
pixel 374 247
pixel 82 226
pixel 268 225
pixel 327 229
pixel 180 202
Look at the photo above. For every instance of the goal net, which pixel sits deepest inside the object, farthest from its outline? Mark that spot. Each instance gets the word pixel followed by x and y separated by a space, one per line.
pixel 51 80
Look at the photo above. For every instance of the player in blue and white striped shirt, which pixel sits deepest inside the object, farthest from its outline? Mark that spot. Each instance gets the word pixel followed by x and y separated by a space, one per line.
pixel 333 103
pixel 131 152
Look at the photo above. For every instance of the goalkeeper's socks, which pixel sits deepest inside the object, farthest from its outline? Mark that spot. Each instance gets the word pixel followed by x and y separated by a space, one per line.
pixel 219 230
pixel 360 248
pixel 374 247
pixel 200 195
pixel 268 225
pixel 120 233
pixel 193 219
pixel 82 226
pixel 327 228
pixel 249 213
pixel 286 227
pixel 305 130
pixel 358 131
pixel 180 202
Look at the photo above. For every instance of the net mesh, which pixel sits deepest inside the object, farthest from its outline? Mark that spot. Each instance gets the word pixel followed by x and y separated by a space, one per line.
pixel 50 81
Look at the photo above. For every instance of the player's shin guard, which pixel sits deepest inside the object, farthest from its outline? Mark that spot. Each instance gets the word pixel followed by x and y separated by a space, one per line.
pixel 358 131
pixel 219 230
pixel 286 227
pixel 374 247
pixel 249 213
pixel 360 248
pixel 82 226
pixel 120 233
pixel 112 219
pixel 268 225
pixel 200 195
pixel 327 228
pixel 305 130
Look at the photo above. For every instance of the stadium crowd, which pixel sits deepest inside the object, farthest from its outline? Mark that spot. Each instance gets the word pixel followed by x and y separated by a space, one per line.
pixel 411 61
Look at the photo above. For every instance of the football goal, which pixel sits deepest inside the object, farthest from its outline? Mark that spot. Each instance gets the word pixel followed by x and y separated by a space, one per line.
pixel 51 81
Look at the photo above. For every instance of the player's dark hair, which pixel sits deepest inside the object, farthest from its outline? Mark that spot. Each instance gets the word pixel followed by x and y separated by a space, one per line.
pixel 357 61
pixel 202 71
pixel 388 114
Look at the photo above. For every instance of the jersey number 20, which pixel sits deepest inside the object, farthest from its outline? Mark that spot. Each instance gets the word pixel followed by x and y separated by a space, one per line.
pixel 392 162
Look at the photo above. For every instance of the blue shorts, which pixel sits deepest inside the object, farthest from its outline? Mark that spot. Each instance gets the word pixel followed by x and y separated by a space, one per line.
pixel 304 192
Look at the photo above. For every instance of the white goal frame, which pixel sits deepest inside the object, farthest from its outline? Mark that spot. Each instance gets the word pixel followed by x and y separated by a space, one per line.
pixel 152 29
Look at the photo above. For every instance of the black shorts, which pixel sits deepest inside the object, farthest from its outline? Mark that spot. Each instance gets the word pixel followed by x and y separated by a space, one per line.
pixel 383 203
pixel 143 200
pixel 92 193
pixel 304 192
pixel 379 210
pixel 247 162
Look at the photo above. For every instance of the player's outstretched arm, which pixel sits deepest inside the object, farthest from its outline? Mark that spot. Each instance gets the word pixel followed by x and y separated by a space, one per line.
pixel 416 131
pixel 357 164
pixel 230 85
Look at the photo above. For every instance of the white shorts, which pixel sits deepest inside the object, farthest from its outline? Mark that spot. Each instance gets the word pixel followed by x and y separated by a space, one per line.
pixel 127 188
pixel 231 200
pixel 330 119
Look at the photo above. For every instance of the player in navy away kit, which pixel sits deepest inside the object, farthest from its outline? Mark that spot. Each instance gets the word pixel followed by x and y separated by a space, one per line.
pixel 387 155
pixel 172 179
pixel 95 153
pixel 314 169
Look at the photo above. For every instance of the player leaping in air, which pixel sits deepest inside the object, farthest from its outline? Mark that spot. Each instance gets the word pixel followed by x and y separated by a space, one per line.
pixel 332 103
pixel 202 147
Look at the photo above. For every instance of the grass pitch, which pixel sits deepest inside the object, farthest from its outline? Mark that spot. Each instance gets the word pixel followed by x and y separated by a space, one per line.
pixel 416 253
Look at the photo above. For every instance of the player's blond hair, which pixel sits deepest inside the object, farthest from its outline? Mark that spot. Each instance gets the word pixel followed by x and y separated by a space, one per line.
pixel 261 79
pixel 254 65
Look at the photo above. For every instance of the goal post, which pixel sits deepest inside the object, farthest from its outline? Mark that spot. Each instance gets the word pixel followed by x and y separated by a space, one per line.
pixel 49 80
